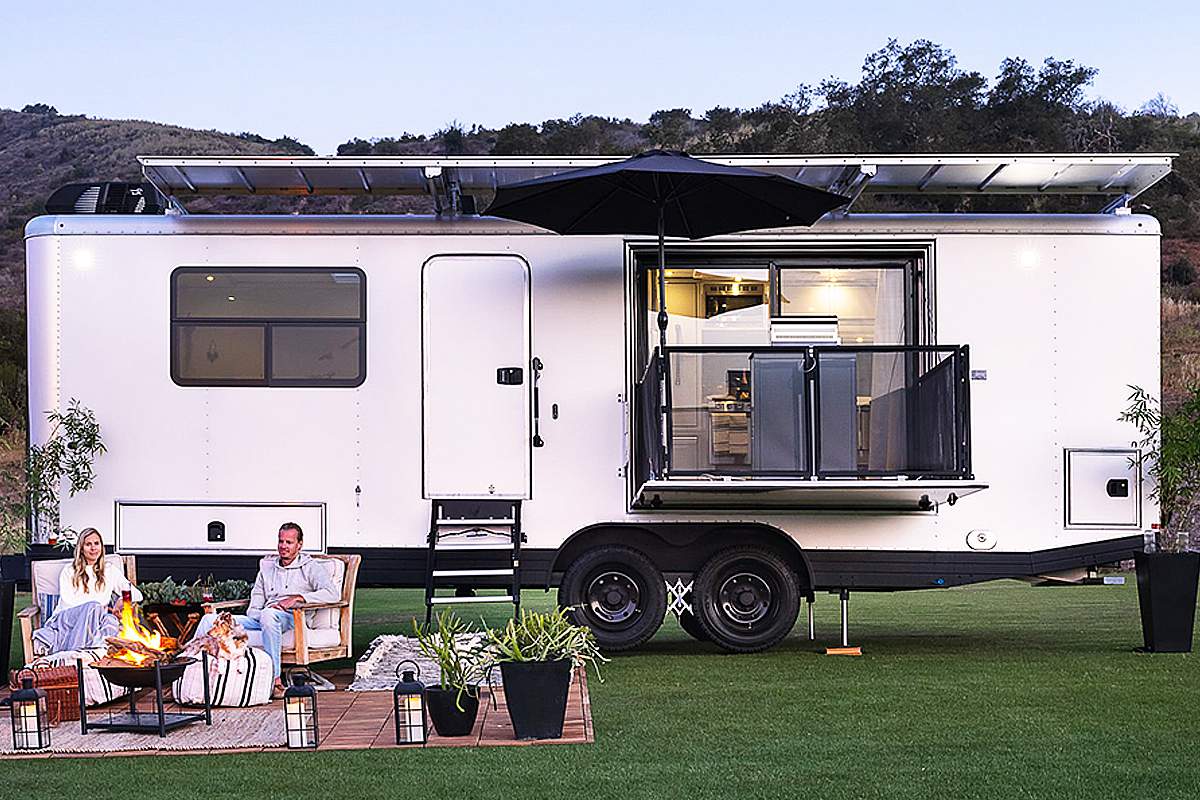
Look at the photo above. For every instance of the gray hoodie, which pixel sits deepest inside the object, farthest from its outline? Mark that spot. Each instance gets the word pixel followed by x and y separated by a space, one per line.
pixel 305 576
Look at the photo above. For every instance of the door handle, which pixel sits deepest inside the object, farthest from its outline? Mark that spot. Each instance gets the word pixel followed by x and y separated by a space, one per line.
pixel 536 364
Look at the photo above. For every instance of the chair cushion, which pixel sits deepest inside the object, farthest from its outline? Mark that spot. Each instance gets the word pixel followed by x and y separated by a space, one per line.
pixel 315 637
pixel 45 575
pixel 325 618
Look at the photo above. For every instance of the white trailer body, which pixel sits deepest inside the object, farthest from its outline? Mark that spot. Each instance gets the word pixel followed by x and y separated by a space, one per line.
pixel 435 394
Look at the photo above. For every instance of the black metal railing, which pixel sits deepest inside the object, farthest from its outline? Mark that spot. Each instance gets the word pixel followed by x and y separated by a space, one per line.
pixel 797 411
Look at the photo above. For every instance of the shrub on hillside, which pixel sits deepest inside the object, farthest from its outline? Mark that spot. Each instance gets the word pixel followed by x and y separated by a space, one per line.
pixel 1180 272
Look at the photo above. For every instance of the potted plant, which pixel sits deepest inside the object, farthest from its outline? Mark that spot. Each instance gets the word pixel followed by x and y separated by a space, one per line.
pixel 536 654
pixel 172 602
pixel 1167 576
pixel 463 664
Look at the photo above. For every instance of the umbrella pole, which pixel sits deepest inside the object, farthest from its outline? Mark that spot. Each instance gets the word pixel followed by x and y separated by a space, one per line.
pixel 662 333
pixel 662 285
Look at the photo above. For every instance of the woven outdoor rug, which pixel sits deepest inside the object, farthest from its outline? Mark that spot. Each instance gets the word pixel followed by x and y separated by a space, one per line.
pixel 232 728
pixel 376 670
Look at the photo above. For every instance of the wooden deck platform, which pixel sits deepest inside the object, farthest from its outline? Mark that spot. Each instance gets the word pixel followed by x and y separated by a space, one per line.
pixel 348 720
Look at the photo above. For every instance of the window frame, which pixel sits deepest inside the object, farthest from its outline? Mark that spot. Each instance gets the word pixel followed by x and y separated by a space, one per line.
pixel 267 325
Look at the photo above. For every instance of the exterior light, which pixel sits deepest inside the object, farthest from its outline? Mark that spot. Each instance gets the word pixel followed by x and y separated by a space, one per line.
pixel 408 706
pixel 231 298
pixel 30 724
pixel 210 278
pixel 300 714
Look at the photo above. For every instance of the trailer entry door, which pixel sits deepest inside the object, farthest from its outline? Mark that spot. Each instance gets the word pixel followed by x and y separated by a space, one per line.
pixel 476 377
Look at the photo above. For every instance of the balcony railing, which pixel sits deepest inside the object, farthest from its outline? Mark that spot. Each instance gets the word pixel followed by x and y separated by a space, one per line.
pixel 806 412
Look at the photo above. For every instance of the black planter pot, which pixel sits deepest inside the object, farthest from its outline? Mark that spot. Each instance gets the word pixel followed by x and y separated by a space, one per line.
pixel 14 568
pixel 8 596
pixel 447 718
pixel 536 695
pixel 1167 600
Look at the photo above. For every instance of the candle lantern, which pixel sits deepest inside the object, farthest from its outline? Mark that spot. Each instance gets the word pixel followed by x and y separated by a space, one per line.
pixel 30 722
pixel 300 714
pixel 408 705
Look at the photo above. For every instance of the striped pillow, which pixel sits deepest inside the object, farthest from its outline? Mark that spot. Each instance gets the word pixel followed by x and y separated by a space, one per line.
pixel 232 683
pixel 46 605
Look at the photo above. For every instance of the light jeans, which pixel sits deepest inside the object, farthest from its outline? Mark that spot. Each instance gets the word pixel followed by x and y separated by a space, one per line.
pixel 273 623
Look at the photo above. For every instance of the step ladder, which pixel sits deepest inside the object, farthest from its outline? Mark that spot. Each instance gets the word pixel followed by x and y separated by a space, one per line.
pixel 473 544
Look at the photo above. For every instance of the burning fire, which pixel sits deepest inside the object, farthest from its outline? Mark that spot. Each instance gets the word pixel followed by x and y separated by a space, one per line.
pixel 134 631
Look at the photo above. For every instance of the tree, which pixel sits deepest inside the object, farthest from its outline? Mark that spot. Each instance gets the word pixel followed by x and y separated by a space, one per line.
pixel 40 108
pixel 517 139
pixel 1028 110
pixel 670 129
pixel 724 129
pixel 1180 272
pixel 454 139
pixel 910 99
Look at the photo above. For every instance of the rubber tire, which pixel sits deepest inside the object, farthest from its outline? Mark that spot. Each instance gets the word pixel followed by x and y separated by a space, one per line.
pixel 774 571
pixel 691 626
pixel 652 595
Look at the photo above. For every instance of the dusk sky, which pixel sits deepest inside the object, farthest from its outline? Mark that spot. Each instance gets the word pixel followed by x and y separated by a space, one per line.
pixel 325 73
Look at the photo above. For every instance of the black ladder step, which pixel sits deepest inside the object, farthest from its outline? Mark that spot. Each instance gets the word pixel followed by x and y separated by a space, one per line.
pixel 458 527
pixel 470 573
pixel 490 598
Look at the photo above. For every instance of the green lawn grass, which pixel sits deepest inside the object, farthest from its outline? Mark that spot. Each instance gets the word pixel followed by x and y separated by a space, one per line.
pixel 1000 690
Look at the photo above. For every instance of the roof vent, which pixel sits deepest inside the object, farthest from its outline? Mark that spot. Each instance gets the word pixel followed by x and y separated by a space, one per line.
pixel 109 197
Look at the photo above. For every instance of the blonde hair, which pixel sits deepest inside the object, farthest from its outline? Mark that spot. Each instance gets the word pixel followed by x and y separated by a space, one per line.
pixel 80 579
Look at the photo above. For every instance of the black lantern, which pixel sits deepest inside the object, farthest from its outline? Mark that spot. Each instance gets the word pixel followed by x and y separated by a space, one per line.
pixel 408 706
pixel 30 723
pixel 300 714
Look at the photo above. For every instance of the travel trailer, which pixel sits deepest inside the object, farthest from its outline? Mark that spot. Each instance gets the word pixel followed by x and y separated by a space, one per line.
pixel 877 402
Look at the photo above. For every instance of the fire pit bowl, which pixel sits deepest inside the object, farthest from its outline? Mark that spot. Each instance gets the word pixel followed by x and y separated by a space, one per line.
pixel 132 677
pixel 155 677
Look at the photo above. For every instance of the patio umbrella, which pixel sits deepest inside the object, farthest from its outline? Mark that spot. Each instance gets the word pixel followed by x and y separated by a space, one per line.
pixel 666 193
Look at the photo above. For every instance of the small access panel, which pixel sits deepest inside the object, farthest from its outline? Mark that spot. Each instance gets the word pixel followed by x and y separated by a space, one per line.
pixel 1103 488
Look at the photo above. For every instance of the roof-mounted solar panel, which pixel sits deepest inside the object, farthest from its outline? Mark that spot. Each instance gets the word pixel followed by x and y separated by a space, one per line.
pixel 449 178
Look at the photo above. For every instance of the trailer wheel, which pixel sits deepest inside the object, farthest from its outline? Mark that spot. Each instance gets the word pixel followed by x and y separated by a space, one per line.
pixel 618 593
pixel 691 626
pixel 746 599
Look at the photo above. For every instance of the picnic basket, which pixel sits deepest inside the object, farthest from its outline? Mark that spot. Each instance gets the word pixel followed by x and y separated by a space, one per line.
pixel 61 685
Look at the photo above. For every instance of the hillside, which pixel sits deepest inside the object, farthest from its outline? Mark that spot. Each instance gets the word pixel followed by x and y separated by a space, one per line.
pixel 910 99
pixel 40 152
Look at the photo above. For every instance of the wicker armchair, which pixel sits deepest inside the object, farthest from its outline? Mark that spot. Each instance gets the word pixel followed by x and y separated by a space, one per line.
pixel 44 580
pixel 329 637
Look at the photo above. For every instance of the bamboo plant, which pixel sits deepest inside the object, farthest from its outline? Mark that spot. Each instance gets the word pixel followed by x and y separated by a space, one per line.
pixel 462 659
pixel 548 636
pixel 1170 446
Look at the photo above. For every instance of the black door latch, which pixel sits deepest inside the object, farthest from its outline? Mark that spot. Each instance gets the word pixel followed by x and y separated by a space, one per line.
pixel 510 376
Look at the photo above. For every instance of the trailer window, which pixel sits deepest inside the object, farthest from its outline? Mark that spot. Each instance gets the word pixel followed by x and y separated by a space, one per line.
pixel 269 326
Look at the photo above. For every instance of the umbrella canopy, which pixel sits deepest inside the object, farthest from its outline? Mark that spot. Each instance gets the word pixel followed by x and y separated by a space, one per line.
pixel 695 199
pixel 664 192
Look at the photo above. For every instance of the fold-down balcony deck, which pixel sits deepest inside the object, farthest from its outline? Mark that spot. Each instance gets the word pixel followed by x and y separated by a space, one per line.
pixel 871 427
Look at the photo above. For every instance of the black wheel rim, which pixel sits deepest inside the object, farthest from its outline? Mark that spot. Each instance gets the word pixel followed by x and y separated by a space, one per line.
pixel 613 598
pixel 745 600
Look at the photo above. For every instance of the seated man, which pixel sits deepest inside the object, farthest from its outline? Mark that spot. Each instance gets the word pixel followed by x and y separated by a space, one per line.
pixel 284 581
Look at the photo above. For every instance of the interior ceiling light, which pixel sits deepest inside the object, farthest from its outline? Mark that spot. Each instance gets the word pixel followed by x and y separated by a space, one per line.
pixel 231 298
pixel 209 278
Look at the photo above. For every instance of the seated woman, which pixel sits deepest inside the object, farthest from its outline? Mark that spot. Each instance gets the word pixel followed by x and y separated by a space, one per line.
pixel 89 596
